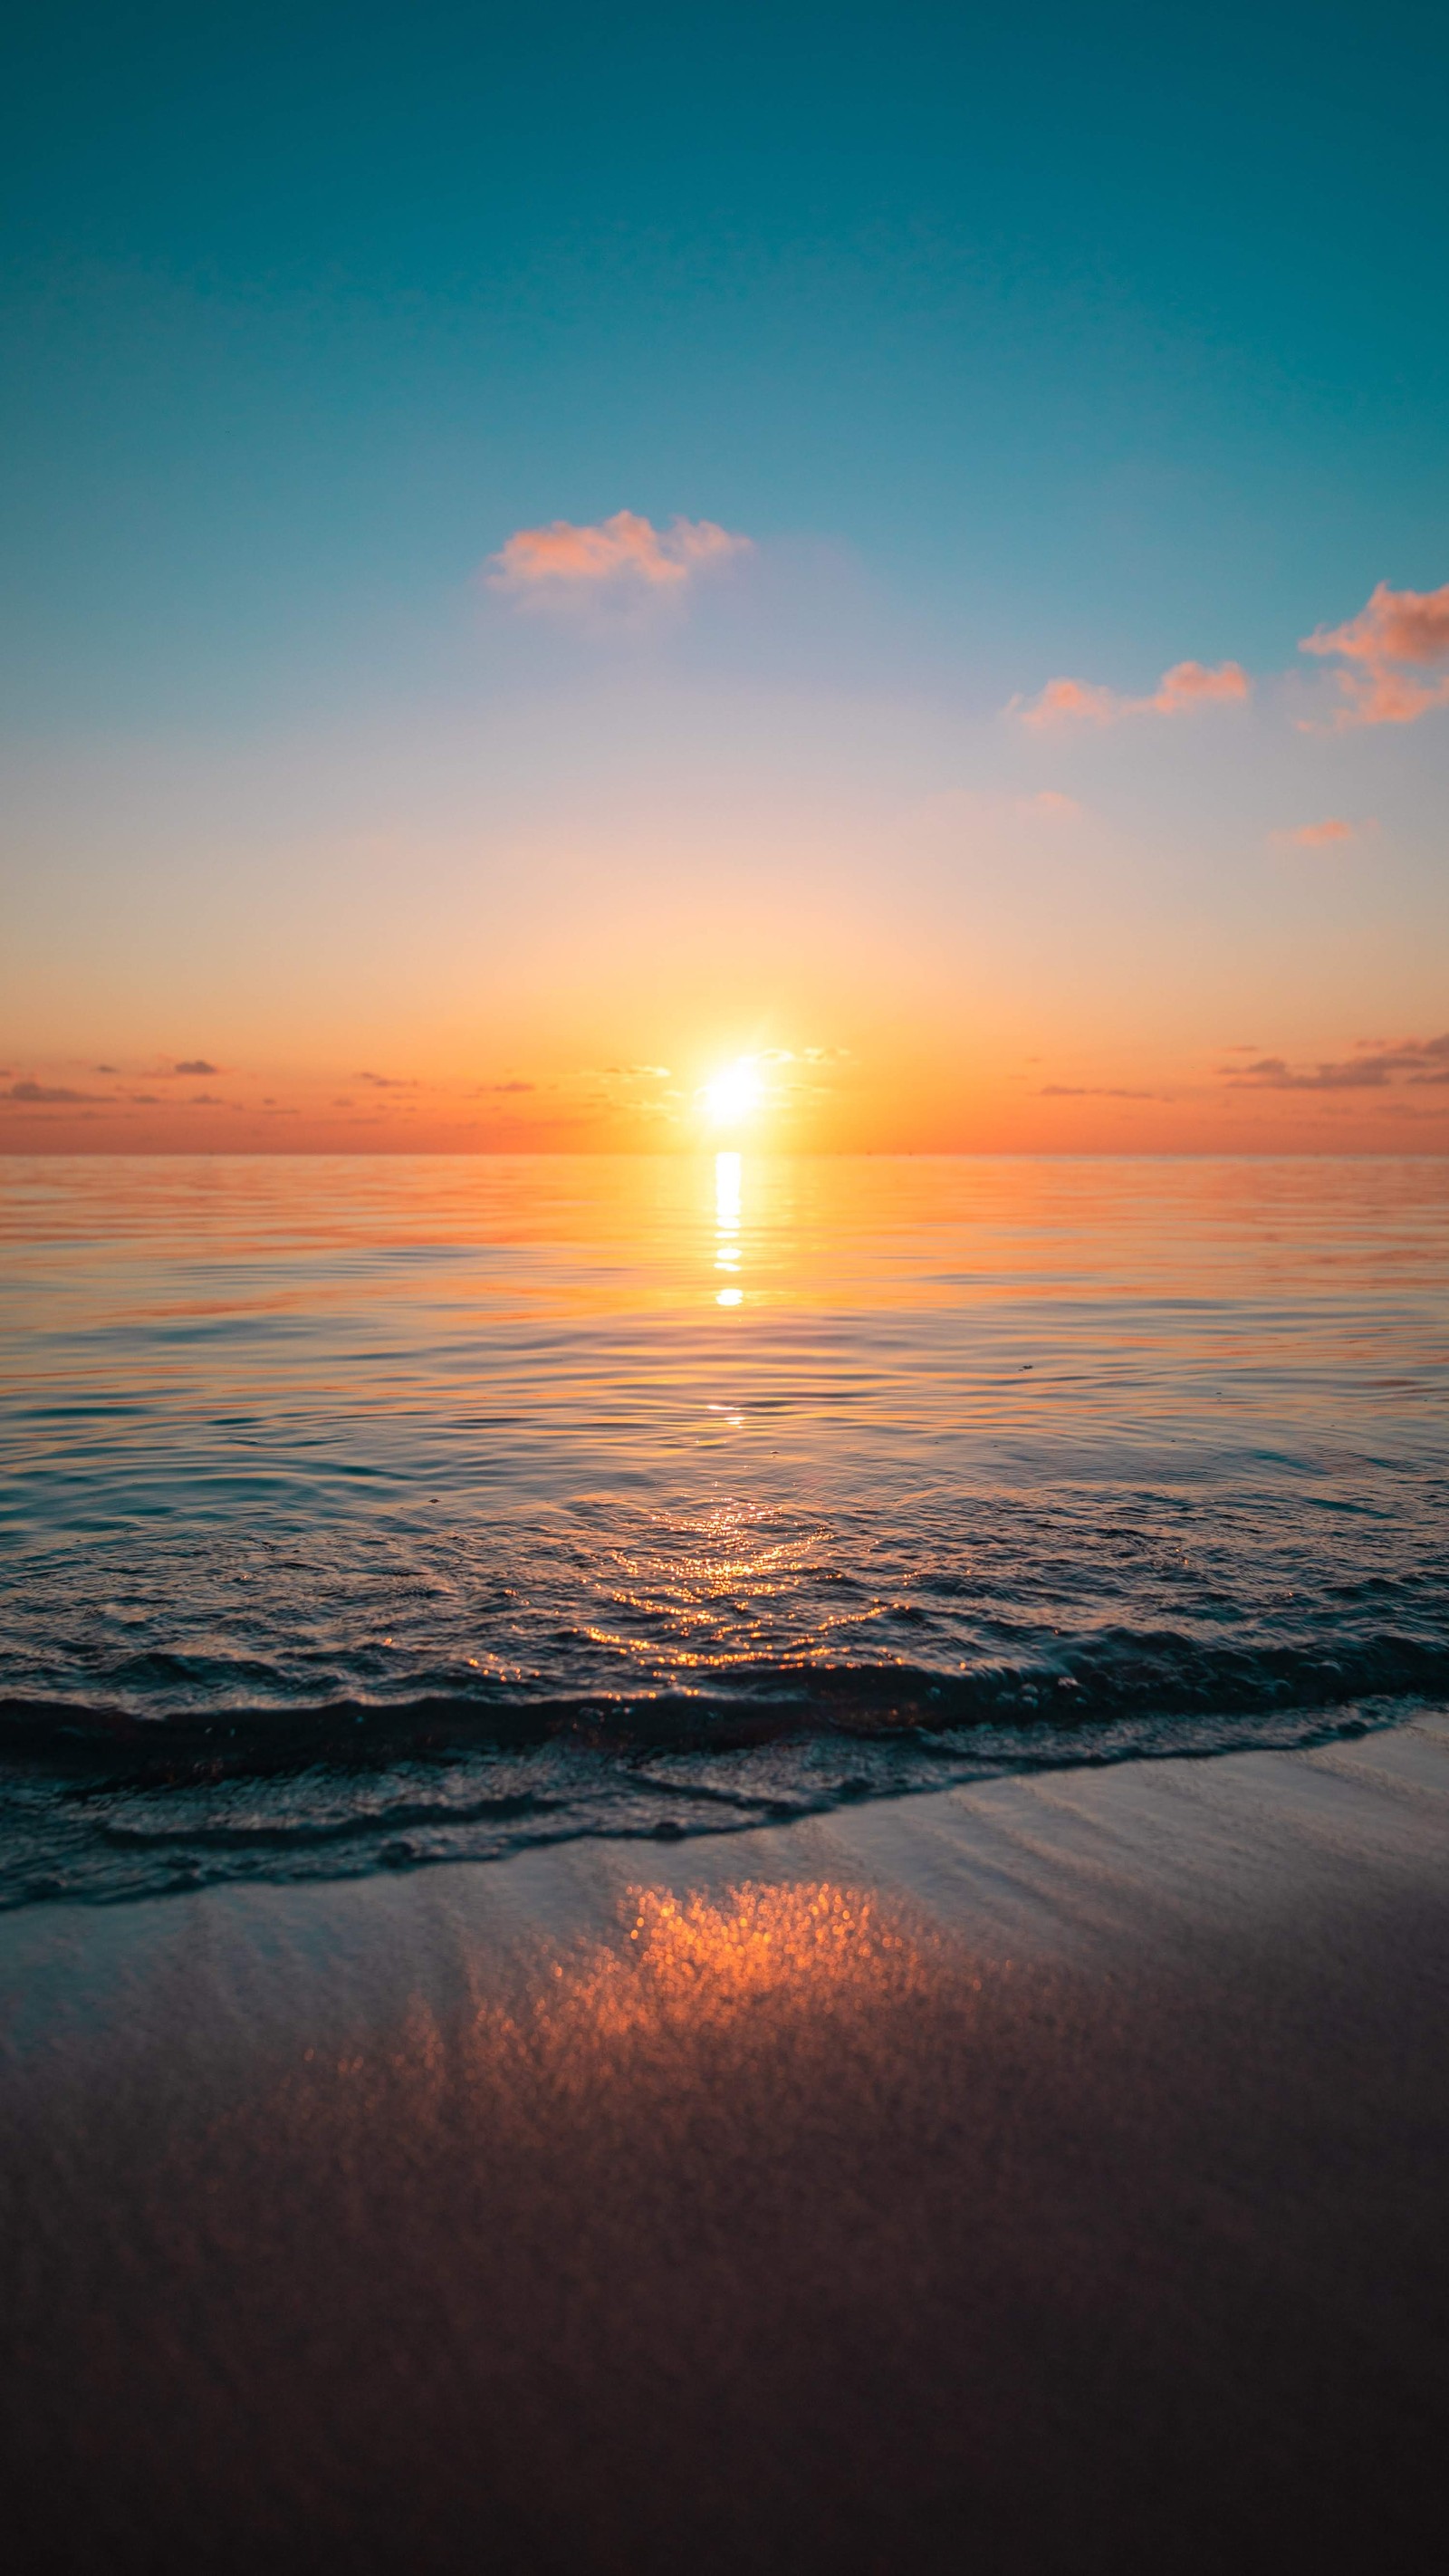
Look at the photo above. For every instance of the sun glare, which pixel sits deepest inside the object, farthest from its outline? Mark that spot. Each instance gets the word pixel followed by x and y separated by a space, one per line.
pixel 734 1093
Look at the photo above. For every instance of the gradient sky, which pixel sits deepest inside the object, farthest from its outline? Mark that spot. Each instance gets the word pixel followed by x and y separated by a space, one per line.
pixel 545 552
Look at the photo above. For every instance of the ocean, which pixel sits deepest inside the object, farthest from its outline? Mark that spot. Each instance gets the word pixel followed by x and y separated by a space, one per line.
pixel 372 1512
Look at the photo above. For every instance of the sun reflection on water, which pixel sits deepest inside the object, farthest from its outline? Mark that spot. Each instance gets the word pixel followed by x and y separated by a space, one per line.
pixel 714 1591
pixel 728 1218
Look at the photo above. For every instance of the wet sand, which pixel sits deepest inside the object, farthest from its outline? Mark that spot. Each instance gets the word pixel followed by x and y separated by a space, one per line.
pixel 1044 2176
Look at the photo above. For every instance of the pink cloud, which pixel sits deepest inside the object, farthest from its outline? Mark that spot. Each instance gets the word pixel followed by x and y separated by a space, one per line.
pixel 1188 685
pixel 1399 632
pixel 1068 701
pixel 1050 806
pixel 626 549
pixel 1320 836
pixel 1192 684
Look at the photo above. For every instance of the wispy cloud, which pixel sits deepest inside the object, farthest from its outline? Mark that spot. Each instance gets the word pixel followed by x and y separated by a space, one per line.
pixel 624 554
pixel 1093 1091
pixel 1180 691
pixel 196 1064
pixel 47 1095
pixel 1050 806
pixel 1399 633
pixel 1376 1067
pixel 1189 685
pixel 1331 833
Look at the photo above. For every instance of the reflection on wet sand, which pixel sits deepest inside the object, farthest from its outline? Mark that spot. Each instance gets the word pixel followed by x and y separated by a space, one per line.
pixel 532 2220
pixel 697 1960
pixel 682 1972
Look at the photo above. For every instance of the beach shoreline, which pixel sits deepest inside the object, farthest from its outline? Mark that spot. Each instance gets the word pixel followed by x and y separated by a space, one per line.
pixel 1043 2173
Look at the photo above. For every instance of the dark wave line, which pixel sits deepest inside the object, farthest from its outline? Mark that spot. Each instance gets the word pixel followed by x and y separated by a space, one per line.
pixel 1119 1674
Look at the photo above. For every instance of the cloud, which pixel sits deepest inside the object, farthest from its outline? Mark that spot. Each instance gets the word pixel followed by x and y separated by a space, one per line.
pixel 1193 684
pixel 388 1081
pixel 623 553
pixel 46 1095
pixel 1180 691
pixel 1375 1068
pixel 1092 1091
pixel 1049 807
pixel 1320 836
pixel 1398 633
pixel 1273 1073
pixel 1067 701
pixel 196 1064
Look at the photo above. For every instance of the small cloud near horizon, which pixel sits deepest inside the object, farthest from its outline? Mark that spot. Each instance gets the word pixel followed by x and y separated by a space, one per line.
pixel 1377 1067
pixel 196 1064
pixel 34 1095
pixel 626 552
pixel 1398 633
pixel 1093 1091
pixel 1180 691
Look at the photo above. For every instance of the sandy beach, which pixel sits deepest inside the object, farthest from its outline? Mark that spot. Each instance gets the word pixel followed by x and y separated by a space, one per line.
pixel 1042 2175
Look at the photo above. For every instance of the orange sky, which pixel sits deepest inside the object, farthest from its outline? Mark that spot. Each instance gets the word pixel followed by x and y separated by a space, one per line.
pixel 1209 915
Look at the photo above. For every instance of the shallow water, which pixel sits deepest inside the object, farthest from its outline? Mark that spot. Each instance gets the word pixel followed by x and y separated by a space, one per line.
pixel 360 1512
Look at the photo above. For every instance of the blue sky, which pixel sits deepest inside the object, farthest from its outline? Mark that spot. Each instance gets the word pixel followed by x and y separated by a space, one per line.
pixel 1075 342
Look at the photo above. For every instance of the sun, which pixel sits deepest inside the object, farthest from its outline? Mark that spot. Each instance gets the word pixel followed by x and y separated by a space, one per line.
pixel 734 1093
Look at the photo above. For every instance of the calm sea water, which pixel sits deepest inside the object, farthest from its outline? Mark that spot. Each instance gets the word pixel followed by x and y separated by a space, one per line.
pixel 364 1512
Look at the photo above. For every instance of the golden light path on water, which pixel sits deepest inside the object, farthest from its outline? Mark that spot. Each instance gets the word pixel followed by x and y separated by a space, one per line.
pixel 726 1569
pixel 729 1216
